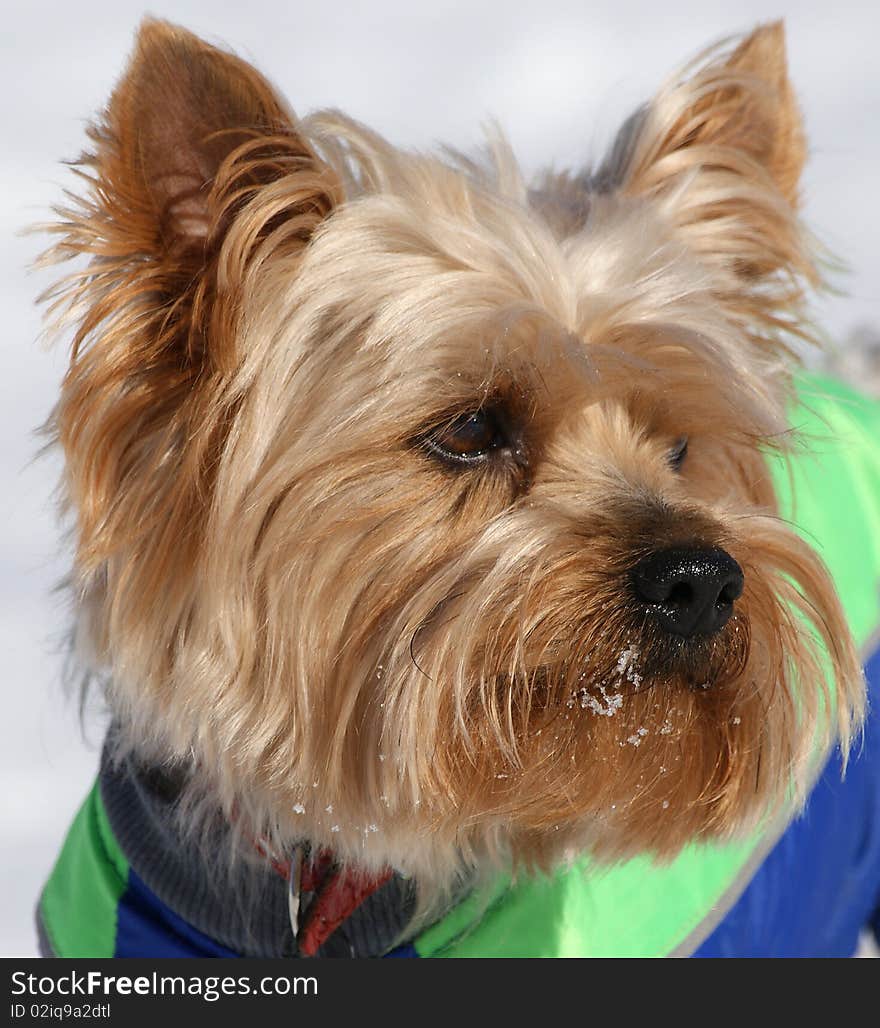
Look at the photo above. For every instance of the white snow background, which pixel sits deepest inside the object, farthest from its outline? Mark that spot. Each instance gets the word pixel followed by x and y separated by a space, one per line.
pixel 560 76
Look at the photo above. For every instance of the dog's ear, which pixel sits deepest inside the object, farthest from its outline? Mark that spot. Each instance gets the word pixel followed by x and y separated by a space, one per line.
pixel 724 144
pixel 191 137
pixel 180 111
pixel 198 175
pixel 737 113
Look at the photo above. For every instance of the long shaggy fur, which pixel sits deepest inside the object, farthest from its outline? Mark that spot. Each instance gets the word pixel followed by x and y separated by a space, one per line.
pixel 341 639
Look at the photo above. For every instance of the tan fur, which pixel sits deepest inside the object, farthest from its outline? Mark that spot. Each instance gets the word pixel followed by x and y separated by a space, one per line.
pixel 292 599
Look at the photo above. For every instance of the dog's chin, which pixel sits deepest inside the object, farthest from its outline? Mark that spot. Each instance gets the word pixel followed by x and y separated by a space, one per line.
pixel 681 743
pixel 610 787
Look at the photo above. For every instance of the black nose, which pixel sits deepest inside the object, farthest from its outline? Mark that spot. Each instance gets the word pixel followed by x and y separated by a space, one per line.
pixel 689 590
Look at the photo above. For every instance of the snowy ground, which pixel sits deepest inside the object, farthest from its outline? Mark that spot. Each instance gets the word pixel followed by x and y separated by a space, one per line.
pixel 559 76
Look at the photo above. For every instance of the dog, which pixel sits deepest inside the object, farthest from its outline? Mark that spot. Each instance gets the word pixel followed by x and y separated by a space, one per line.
pixel 433 551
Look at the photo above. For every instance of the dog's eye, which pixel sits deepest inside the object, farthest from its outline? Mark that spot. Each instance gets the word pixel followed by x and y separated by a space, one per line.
pixel 470 437
pixel 678 453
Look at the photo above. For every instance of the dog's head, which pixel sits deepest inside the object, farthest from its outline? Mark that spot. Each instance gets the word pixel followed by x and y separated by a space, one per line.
pixel 425 515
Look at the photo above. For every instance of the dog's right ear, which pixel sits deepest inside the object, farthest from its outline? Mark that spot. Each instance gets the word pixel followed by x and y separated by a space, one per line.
pixel 191 137
pixel 197 174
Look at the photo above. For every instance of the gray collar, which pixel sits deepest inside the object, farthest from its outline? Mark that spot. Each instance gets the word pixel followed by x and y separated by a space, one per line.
pixel 241 904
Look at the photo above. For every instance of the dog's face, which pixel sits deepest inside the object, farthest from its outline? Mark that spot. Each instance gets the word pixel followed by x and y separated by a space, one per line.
pixel 426 516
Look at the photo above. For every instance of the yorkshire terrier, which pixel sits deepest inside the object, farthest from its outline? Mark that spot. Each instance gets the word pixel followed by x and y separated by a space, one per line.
pixel 427 547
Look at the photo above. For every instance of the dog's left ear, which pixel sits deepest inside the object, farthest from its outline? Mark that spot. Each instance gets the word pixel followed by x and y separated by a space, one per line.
pixel 726 147
pixel 737 114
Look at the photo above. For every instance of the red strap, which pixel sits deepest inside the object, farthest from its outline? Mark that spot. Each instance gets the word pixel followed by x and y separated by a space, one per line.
pixel 339 894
